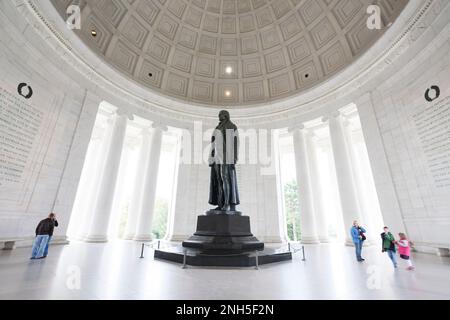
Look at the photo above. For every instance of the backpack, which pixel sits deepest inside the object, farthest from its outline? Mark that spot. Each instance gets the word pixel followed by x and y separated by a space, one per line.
pixel 363 236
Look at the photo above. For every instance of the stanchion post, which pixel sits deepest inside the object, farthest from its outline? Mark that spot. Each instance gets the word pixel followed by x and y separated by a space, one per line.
pixel 159 241
pixel 289 246
pixel 303 252
pixel 142 251
pixel 184 259
pixel 256 260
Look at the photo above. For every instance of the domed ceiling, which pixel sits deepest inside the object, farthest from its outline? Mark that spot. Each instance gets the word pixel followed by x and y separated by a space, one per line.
pixel 229 52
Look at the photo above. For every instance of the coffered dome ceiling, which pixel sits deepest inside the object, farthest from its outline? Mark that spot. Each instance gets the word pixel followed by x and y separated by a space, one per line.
pixel 229 52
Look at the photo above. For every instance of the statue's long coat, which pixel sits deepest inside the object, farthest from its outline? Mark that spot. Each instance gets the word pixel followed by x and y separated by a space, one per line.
pixel 223 188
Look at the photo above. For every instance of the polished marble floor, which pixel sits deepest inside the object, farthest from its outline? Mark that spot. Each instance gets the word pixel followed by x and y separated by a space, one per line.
pixel 114 271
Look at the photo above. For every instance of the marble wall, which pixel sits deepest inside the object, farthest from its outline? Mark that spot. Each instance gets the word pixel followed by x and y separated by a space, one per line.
pixel 46 121
pixel 408 138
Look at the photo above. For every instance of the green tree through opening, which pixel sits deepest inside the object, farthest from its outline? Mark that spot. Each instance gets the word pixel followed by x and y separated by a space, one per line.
pixel 159 227
pixel 292 207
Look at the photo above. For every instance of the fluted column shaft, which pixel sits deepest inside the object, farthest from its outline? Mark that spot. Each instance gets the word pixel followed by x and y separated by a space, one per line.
pixel 307 218
pixel 344 174
pixel 135 204
pixel 320 214
pixel 102 209
pixel 94 173
pixel 366 219
pixel 147 204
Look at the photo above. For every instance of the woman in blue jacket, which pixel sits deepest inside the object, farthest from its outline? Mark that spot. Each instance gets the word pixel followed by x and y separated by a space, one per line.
pixel 358 237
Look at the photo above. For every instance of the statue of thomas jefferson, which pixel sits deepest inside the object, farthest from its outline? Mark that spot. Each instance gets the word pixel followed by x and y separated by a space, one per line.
pixel 223 190
pixel 224 230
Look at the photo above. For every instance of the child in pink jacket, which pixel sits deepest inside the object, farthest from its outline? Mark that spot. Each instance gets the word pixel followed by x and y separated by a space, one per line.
pixel 404 249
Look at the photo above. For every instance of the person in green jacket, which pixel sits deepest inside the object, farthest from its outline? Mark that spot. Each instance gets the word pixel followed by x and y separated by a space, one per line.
pixel 388 245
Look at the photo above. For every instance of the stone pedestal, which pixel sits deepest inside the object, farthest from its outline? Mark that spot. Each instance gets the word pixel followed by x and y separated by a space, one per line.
pixel 238 260
pixel 223 238
pixel 219 231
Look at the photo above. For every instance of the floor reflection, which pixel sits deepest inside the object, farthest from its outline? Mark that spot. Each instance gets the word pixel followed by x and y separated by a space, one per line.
pixel 115 271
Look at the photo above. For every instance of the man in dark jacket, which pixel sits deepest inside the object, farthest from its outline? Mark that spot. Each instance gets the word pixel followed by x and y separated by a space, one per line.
pixel 44 232
pixel 52 217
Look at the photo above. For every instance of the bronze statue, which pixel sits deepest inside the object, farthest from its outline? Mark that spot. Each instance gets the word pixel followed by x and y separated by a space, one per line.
pixel 223 190
pixel 224 230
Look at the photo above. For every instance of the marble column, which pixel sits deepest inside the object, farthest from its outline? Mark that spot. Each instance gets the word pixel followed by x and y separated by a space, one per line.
pixel 307 216
pixel 98 231
pixel 146 210
pixel 365 211
pixel 344 174
pixel 87 195
pixel 320 214
pixel 135 205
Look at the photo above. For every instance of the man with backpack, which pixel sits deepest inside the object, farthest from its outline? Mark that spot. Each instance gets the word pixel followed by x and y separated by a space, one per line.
pixel 357 233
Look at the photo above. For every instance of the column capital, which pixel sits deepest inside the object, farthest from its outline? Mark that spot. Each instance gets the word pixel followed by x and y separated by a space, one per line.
pixel 124 113
pixel 159 126
pixel 335 114
pixel 331 116
pixel 300 127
